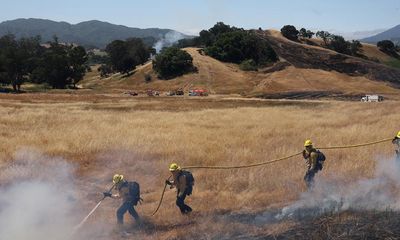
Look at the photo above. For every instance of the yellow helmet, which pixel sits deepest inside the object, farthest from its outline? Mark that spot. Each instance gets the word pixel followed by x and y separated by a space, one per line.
pixel 174 167
pixel 117 178
pixel 308 143
pixel 398 134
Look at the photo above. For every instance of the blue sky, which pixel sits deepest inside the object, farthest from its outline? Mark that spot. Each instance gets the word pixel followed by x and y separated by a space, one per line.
pixel 191 16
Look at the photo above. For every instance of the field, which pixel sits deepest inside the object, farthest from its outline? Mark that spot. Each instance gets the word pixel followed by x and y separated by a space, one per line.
pixel 99 135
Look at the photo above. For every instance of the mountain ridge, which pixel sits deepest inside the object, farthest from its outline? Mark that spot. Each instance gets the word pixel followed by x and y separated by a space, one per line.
pixel 92 33
pixel 392 34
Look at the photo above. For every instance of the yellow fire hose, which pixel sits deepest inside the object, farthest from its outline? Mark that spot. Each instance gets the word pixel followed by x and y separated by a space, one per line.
pixel 162 197
pixel 269 162
pixel 237 167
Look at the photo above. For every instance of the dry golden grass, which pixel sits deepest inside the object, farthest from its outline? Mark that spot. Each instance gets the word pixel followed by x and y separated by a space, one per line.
pixel 140 137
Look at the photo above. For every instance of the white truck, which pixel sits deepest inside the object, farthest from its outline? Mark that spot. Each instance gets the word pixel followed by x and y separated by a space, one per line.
pixel 372 98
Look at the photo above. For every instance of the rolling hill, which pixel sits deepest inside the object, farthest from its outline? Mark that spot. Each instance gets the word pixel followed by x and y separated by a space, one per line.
pixel 392 34
pixel 89 34
pixel 303 71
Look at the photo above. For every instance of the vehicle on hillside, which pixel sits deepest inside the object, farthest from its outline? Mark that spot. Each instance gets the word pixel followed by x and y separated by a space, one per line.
pixel 372 98
pixel 198 92
pixel 170 93
pixel 132 93
pixel 152 93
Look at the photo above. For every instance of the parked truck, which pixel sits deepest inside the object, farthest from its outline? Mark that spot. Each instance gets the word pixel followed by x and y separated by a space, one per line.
pixel 198 92
pixel 372 98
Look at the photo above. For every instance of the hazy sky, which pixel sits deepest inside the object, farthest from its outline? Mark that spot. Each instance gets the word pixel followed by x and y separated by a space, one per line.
pixel 190 16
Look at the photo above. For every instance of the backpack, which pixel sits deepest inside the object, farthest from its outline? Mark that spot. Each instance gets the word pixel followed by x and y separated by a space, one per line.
pixel 134 192
pixel 189 178
pixel 189 181
pixel 321 157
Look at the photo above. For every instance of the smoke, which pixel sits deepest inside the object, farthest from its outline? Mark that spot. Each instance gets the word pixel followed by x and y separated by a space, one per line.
pixel 37 198
pixel 168 40
pixel 331 196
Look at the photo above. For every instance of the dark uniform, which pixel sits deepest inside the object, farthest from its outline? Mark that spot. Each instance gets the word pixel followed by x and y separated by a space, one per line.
pixel 183 189
pixel 128 202
pixel 313 166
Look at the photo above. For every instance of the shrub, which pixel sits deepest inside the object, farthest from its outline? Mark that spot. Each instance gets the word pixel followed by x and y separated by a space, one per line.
pixel 248 65
pixel 173 62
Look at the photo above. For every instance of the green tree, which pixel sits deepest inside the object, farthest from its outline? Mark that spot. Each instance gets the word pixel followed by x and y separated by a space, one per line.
pixel 206 38
pixel 304 33
pixel 61 65
pixel 221 28
pixel 355 48
pixel 105 70
pixel 54 68
pixel 120 59
pixel 241 45
pixel 338 44
pixel 388 47
pixel 126 55
pixel 77 61
pixel 249 65
pixel 18 59
pixel 137 50
pixel 325 36
pixel 290 32
pixel 173 62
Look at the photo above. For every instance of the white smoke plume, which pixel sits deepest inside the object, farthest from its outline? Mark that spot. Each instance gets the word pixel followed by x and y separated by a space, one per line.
pixel 382 192
pixel 37 198
pixel 168 40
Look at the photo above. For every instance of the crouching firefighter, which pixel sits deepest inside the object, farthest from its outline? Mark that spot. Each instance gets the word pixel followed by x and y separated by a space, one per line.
pixel 183 181
pixel 314 160
pixel 396 142
pixel 129 192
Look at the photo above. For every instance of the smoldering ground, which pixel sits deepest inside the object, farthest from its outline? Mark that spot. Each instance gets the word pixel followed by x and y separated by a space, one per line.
pixel 380 193
pixel 38 198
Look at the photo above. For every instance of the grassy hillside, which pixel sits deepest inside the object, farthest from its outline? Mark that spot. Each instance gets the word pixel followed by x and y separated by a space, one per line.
pixel 96 136
pixel 225 78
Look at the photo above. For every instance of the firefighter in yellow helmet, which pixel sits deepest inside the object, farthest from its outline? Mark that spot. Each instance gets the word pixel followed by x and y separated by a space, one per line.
pixel 183 181
pixel 314 160
pixel 129 192
pixel 396 142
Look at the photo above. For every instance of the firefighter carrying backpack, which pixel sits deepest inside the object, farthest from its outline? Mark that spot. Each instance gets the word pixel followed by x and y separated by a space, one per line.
pixel 189 180
pixel 134 192
pixel 320 159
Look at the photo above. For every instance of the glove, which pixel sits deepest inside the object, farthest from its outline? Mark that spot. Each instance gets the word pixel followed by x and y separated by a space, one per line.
pixel 168 182
pixel 107 194
pixel 305 155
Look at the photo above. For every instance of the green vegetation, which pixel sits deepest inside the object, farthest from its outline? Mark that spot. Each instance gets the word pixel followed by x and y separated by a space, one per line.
pixel 173 62
pixel 393 63
pixel 388 47
pixel 248 65
pixel 304 33
pixel 25 60
pixel 324 35
pixel 90 34
pixel 124 56
pixel 232 44
pixel 339 44
pixel 290 32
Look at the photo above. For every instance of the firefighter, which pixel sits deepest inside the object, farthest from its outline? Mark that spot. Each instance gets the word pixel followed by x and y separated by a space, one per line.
pixel 314 160
pixel 396 142
pixel 183 181
pixel 129 192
